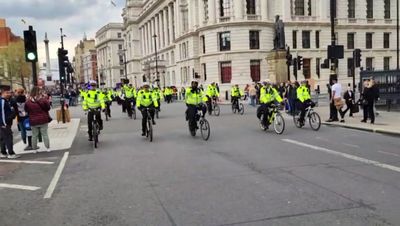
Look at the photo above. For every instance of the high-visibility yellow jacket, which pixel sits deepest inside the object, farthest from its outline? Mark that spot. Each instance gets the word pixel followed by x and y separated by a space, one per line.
pixel 212 91
pixel 157 93
pixel 94 99
pixel 130 92
pixel 236 92
pixel 194 97
pixel 145 99
pixel 269 95
pixel 303 94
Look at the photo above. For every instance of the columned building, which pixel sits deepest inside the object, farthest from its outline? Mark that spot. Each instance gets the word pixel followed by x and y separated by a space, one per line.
pixel 110 54
pixel 227 41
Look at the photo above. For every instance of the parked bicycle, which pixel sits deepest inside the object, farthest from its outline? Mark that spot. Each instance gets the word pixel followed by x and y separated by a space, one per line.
pixel 275 119
pixel 313 118
pixel 203 125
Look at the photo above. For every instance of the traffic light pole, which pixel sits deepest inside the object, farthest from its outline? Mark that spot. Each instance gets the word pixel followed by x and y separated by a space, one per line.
pixel 333 39
pixel 61 67
pixel 34 74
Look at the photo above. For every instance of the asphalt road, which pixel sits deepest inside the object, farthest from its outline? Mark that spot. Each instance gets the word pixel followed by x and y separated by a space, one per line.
pixel 241 176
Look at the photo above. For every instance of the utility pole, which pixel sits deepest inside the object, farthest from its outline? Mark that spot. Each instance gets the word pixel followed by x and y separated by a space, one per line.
pixel 398 29
pixel 155 48
pixel 333 39
pixel 61 67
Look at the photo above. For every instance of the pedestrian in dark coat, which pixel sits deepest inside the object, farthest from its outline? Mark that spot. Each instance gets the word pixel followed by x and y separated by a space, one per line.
pixel 348 96
pixel 7 115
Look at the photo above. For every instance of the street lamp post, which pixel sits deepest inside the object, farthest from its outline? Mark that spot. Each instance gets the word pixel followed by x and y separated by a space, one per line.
pixel 155 49
pixel 398 48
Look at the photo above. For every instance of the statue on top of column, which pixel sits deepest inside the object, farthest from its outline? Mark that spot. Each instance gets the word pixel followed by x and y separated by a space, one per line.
pixel 279 37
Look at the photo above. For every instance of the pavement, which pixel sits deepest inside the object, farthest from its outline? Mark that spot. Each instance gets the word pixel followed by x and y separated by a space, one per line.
pixel 241 176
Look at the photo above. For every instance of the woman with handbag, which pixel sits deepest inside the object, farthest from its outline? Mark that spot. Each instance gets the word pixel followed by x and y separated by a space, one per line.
pixel 349 100
pixel 367 100
pixel 38 109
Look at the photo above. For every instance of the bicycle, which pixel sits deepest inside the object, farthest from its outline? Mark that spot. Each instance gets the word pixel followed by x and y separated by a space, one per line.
pixel 313 118
pixel 95 127
pixel 215 107
pixel 275 118
pixel 133 112
pixel 107 112
pixel 238 107
pixel 149 129
pixel 204 126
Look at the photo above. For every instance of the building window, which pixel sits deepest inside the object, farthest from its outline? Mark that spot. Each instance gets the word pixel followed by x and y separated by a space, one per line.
pixel 225 41
pixel 369 61
pixel 255 73
pixel 318 67
pixel 387 9
pixel 350 40
pixel 121 72
pixel 204 66
pixel 225 8
pixel 299 7
pixel 386 40
pixel 226 72
pixel 119 35
pixel 205 10
pixel 309 8
pixel 368 41
pixel 370 9
pixel 307 68
pixel 121 59
pixel 350 67
pixel 172 57
pixel 251 7
pixel 203 43
pixel 254 39
pixel 317 39
pixel 294 35
pixel 185 20
pixel 386 63
pixel 306 39
pixel 120 46
pixel 351 9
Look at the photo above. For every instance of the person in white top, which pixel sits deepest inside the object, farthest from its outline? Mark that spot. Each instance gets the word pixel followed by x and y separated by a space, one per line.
pixel 336 101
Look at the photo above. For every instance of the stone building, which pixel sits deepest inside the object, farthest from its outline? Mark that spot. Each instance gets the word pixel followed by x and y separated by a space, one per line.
pixel 227 41
pixel 83 48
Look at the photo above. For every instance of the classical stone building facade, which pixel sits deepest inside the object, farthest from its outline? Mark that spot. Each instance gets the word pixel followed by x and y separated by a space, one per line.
pixel 227 41
pixel 83 48
pixel 110 54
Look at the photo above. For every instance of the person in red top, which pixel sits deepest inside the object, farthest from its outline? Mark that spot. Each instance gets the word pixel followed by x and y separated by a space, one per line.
pixel 38 108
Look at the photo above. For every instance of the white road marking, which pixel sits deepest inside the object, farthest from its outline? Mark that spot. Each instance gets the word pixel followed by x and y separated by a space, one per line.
pixel 389 153
pixel 21 187
pixel 56 177
pixel 348 156
pixel 351 145
pixel 27 162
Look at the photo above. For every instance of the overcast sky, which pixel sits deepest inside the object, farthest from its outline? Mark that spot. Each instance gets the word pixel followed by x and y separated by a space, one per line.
pixel 76 17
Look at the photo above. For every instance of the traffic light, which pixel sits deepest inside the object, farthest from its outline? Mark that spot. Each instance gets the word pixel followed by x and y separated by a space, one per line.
pixel 299 62
pixel 30 45
pixel 289 59
pixel 325 65
pixel 63 63
pixel 357 57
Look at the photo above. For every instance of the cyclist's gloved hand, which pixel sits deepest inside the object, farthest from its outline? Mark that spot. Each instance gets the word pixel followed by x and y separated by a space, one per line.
pixel 103 110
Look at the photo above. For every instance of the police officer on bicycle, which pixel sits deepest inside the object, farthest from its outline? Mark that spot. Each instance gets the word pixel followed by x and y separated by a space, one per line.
pixel 146 99
pixel 94 99
pixel 212 94
pixel 268 96
pixel 236 94
pixel 304 100
pixel 194 98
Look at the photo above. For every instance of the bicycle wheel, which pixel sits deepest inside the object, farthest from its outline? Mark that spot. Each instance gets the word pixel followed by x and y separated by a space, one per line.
pixel 134 114
pixel 241 108
pixel 95 134
pixel 315 121
pixel 233 109
pixel 296 120
pixel 217 110
pixel 157 116
pixel 279 124
pixel 150 130
pixel 205 129
pixel 106 113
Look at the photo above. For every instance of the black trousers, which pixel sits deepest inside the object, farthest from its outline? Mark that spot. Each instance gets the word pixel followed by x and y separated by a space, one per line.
pixel 191 113
pixel 302 107
pixel 145 115
pixel 263 111
pixel 6 141
pixel 235 101
pixel 333 111
pixel 349 107
pixel 108 107
pixel 209 107
pixel 368 112
pixel 129 102
pixel 90 120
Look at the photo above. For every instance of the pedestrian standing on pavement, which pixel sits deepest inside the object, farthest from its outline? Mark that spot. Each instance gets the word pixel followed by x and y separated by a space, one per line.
pixel 368 99
pixel 7 115
pixel 349 99
pixel 253 95
pixel 336 102
pixel 23 118
pixel 38 109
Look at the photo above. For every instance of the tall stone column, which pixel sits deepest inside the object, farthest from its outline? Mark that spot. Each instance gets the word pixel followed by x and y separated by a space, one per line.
pixel 161 27
pixel 201 13
pixel 191 14
pixel 264 10
pixel 238 9
pixel 211 12
pixel 177 19
pixel 165 24
pixel 170 21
